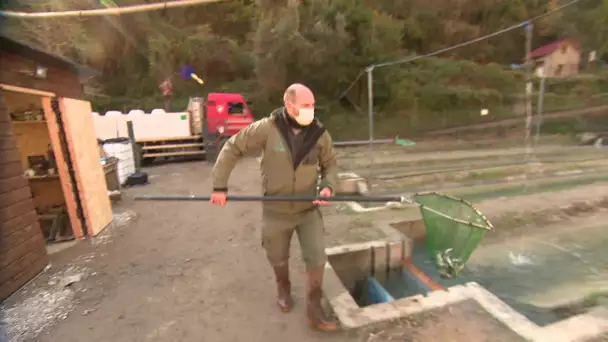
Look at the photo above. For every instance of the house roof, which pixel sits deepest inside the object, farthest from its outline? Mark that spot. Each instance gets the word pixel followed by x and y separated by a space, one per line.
pixel 17 47
pixel 549 48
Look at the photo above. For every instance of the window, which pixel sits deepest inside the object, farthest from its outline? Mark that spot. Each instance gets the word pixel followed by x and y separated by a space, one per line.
pixel 236 108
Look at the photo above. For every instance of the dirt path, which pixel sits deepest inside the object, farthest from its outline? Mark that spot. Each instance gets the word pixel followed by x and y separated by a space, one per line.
pixel 179 272
pixel 184 272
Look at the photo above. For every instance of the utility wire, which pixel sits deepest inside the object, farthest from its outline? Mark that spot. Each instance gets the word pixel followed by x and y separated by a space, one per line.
pixel 453 47
pixel 476 40
pixel 185 3
pixel 106 11
pixel 352 84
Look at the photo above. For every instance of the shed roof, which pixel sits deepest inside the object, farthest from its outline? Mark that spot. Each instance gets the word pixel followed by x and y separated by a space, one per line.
pixel 17 47
pixel 549 48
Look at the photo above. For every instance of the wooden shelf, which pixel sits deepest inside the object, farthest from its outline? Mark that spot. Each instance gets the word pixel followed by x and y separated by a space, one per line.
pixel 173 154
pixel 55 176
pixel 29 122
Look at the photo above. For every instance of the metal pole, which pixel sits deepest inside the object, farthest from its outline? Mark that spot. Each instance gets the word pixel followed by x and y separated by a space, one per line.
pixel 134 146
pixel 529 27
pixel 370 108
pixel 539 108
pixel 257 198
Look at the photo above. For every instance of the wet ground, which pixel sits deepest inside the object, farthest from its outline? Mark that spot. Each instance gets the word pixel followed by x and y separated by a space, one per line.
pixel 188 271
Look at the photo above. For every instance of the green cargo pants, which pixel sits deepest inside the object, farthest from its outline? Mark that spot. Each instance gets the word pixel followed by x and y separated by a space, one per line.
pixel 277 230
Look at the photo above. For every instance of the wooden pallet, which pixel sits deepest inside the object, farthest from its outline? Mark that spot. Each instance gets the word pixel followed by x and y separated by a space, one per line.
pixel 172 147
pixel 167 139
pixel 174 154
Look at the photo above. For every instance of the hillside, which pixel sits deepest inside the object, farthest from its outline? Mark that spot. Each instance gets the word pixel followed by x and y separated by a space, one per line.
pixel 259 47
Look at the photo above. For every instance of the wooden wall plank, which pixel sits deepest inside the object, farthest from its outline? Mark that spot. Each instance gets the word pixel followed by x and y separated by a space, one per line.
pixel 21 258
pixel 9 227
pixel 84 153
pixel 7 143
pixel 62 168
pixel 5 129
pixel 23 277
pixel 18 236
pixel 12 183
pixel 4 117
pixel 17 266
pixel 34 244
pixel 9 156
pixel 15 210
pixel 10 169
pixel 15 196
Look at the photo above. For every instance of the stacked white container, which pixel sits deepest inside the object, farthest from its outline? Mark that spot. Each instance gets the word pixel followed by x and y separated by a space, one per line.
pixel 123 151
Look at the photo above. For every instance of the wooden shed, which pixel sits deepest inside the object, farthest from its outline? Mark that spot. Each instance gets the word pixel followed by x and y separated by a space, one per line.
pixel 50 169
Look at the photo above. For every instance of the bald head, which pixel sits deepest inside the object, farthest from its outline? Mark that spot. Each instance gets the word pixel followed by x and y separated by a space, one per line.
pixel 298 96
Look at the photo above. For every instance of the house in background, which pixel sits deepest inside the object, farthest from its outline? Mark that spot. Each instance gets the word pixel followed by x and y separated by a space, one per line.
pixel 558 59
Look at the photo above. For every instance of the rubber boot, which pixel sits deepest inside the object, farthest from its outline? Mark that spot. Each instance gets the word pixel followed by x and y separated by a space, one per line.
pixel 284 299
pixel 317 318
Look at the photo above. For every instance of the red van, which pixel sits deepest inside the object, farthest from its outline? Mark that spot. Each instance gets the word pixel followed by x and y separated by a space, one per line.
pixel 227 113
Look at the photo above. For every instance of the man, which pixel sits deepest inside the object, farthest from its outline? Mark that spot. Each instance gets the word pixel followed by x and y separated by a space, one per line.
pixel 166 88
pixel 294 146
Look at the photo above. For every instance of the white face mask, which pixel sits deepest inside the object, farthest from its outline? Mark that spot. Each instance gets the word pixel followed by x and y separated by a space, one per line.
pixel 305 116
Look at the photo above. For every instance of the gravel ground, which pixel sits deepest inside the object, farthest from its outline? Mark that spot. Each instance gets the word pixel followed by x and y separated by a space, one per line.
pixel 177 272
pixel 180 271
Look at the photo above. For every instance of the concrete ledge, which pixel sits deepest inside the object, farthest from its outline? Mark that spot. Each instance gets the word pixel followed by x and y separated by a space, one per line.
pixel 578 328
pixel 351 316
pixel 352 183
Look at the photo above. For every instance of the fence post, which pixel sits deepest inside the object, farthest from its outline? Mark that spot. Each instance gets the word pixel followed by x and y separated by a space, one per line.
pixel 134 146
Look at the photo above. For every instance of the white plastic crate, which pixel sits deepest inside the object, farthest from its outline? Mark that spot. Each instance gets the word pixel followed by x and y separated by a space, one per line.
pixel 123 151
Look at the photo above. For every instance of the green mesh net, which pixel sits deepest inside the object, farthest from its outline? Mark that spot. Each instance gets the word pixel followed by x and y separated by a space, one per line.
pixel 454 228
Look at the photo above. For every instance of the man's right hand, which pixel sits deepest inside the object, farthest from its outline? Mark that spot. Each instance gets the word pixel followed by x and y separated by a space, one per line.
pixel 218 198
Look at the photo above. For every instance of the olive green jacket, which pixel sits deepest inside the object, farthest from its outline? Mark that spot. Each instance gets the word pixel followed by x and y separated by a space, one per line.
pixel 283 174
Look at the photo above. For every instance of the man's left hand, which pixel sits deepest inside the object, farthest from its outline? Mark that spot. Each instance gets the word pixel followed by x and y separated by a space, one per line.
pixel 326 192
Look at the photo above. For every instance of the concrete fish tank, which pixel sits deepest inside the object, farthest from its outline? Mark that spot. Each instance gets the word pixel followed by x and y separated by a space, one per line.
pixel 374 282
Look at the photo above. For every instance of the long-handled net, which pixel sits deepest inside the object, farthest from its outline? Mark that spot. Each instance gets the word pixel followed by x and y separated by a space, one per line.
pixel 454 228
